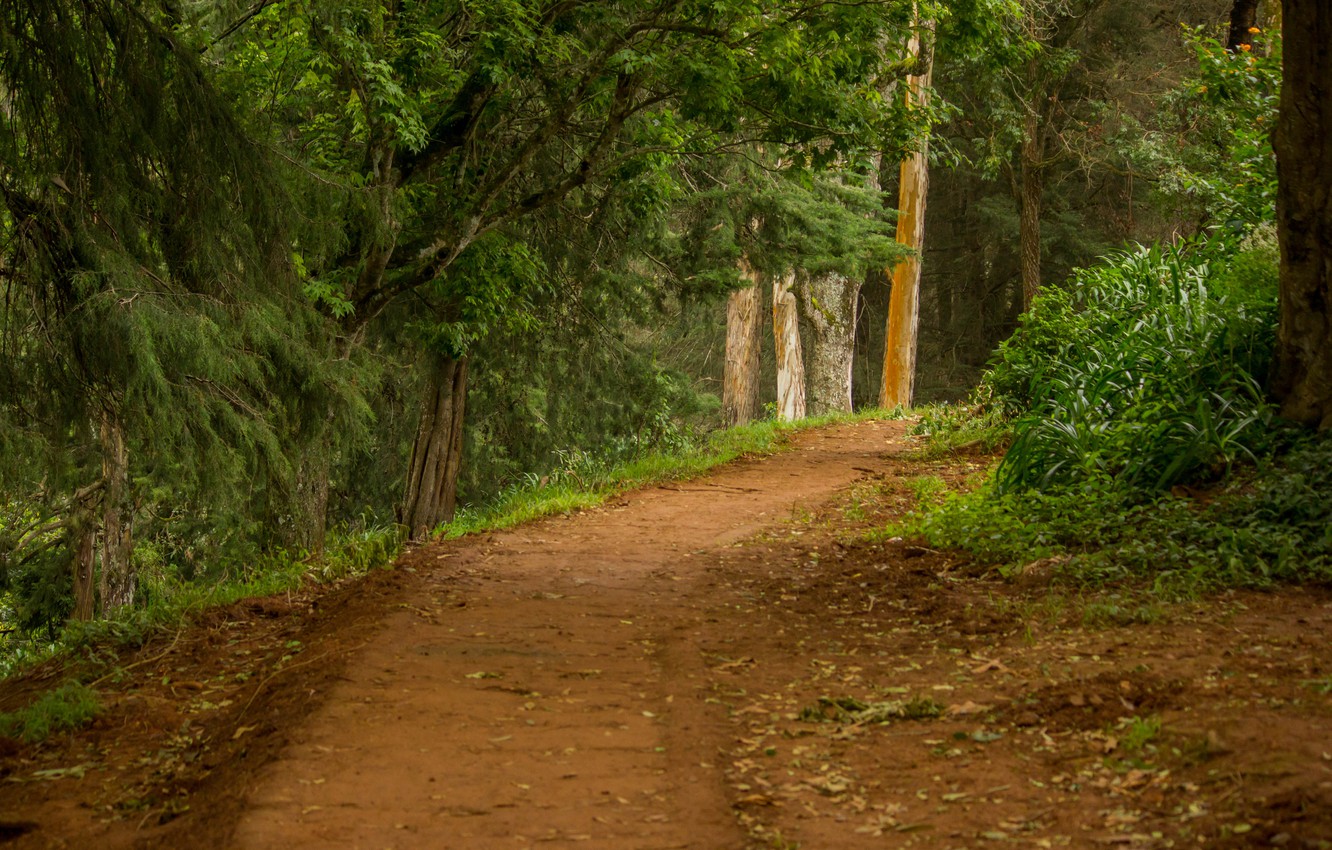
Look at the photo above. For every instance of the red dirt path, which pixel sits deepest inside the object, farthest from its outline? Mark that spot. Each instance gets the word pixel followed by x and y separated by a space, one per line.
pixel 648 675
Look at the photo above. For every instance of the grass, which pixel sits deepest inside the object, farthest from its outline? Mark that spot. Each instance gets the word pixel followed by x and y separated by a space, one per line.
pixel 69 706
pixel 171 602
pixel 953 428
pixel 591 484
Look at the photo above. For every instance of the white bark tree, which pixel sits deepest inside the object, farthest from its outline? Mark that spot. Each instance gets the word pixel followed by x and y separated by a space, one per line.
pixel 740 381
pixel 786 339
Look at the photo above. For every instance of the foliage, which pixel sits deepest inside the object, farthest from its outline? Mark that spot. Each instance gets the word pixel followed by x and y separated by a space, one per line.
pixel 951 428
pixel 228 230
pixel 1269 526
pixel 171 594
pixel 1208 146
pixel 68 707
pixel 1140 371
pixel 1131 389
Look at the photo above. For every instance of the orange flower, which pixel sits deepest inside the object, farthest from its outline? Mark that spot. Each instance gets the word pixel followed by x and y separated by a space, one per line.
pixel 1254 30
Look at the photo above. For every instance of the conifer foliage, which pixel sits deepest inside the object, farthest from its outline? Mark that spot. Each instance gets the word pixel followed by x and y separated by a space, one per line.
pixel 147 329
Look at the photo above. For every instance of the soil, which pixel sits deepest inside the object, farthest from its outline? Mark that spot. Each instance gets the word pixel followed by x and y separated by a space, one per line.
pixel 736 661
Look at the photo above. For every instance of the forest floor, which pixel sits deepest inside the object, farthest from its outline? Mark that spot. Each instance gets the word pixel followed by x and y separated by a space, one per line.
pixel 728 662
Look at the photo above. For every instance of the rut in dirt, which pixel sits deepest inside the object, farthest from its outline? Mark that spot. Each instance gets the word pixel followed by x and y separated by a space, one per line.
pixel 547 685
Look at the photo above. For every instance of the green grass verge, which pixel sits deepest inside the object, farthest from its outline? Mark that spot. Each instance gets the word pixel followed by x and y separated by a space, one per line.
pixel 171 602
pixel 591 485
pixel 69 706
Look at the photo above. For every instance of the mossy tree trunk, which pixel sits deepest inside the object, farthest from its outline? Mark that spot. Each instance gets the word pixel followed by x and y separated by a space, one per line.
pixel 1031 194
pixel 310 503
pixel 84 535
pixel 117 580
pixel 830 306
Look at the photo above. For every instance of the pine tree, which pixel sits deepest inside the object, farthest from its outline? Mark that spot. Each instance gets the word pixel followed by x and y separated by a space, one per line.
pixel 149 341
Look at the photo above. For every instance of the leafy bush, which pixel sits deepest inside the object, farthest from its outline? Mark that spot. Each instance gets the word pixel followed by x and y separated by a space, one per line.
pixel 952 428
pixel 1140 371
pixel 1145 374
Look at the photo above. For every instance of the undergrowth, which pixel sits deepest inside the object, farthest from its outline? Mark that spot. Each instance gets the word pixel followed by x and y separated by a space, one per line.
pixel 1142 446
pixel 69 706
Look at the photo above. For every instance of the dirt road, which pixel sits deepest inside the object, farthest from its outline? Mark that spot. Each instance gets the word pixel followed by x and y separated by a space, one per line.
pixel 550 683
pixel 718 664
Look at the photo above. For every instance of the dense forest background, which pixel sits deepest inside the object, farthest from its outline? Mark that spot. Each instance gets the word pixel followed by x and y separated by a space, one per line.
pixel 289 282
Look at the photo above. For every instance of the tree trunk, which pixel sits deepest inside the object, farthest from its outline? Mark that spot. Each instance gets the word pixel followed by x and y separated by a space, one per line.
pixel 740 383
pixel 1303 377
pixel 432 474
pixel 1243 17
pixel 1031 189
pixel 310 506
pixel 786 341
pixel 117 579
pixel 830 305
pixel 85 535
pixel 899 350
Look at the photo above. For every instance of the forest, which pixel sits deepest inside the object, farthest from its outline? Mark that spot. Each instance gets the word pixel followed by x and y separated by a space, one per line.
pixel 290 284
pixel 665 423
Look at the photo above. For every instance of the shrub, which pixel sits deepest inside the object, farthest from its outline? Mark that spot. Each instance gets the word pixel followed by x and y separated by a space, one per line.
pixel 1140 371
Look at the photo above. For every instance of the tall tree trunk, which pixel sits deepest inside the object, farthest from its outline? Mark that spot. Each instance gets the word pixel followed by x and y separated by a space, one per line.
pixel 85 536
pixel 899 350
pixel 1303 376
pixel 786 340
pixel 740 381
pixel 117 578
pixel 830 305
pixel 432 475
pixel 1031 189
pixel 1243 18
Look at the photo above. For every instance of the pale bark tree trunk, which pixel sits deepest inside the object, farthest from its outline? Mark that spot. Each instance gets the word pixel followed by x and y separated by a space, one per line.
pixel 786 340
pixel 740 381
pixel 830 305
pixel 899 351
pixel 432 475
pixel 1303 376
pixel 117 582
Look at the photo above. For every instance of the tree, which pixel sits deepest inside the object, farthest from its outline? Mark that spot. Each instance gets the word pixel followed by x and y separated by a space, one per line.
pixel 146 311
pixel 444 121
pixel 740 379
pixel 786 344
pixel 899 355
pixel 1243 23
pixel 1303 379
